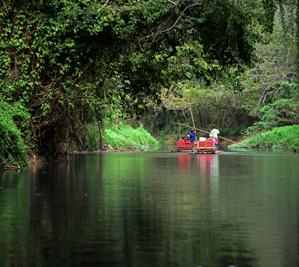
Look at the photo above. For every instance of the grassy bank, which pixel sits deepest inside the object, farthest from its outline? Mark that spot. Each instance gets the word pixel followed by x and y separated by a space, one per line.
pixel 126 137
pixel 280 138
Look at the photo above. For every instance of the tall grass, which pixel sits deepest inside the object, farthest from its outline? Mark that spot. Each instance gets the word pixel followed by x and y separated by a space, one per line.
pixel 282 138
pixel 125 136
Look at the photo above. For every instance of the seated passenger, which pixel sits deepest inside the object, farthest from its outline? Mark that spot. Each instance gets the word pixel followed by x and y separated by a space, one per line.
pixel 181 143
pixel 202 138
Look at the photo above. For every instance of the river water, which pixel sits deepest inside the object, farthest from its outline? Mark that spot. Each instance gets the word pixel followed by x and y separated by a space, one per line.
pixel 153 209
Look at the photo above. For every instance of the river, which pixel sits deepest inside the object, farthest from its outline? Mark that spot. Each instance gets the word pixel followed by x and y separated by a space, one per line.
pixel 153 209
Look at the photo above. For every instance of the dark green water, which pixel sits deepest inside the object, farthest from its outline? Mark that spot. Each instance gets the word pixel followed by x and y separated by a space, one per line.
pixel 153 209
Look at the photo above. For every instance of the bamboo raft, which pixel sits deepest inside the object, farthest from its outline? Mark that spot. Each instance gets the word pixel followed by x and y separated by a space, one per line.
pixel 206 146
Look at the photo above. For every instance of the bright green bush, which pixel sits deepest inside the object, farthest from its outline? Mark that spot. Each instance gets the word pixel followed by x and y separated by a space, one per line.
pixel 12 146
pixel 284 138
pixel 125 136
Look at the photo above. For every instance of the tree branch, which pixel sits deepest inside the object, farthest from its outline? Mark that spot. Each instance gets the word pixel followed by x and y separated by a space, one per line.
pixel 169 28
pixel 178 19
pixel 172 2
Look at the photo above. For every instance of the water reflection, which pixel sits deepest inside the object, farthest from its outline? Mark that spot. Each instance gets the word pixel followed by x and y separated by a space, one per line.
pixel 136 209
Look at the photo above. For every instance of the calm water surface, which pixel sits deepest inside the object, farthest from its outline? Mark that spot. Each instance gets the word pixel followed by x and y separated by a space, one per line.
pixel 153 209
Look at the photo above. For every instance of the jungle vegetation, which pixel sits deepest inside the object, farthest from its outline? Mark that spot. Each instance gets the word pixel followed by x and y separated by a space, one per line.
pixel 71 69
pixel 278 138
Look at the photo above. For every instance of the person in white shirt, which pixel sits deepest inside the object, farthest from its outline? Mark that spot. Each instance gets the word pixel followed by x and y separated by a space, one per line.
pixel 215 135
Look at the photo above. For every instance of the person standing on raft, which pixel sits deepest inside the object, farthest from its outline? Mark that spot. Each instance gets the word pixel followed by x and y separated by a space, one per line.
pixel 192 136
pixel 215 136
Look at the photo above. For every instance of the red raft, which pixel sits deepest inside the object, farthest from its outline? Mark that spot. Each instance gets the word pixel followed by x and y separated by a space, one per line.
pixel 206 146
pixel 184 145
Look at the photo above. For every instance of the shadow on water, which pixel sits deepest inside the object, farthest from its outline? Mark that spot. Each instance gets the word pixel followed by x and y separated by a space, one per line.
pixel 152 209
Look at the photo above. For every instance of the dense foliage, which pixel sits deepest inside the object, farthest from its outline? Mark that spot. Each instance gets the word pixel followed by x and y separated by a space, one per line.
pixel 72 64
pixel 279 113
pixel 280 138
pixel 14 124
pixel 265 93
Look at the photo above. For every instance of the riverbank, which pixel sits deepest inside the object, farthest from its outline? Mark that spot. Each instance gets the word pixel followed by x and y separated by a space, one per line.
pixel 285 138
pixel 125 137
pixel 121 138
pixel 107 150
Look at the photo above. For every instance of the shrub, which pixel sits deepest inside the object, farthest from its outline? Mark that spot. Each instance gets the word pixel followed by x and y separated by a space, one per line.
pixel 12 145
pixel 286 138
pixel 125 136
pixel 279 113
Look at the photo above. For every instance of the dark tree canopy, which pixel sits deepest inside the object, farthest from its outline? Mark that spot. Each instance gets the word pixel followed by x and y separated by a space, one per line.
pixel 66 61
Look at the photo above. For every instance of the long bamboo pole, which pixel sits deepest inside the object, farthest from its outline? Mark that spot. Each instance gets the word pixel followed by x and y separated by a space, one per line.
pixel 191 114
pixel 201 130
pixel 192 118
pixel 185 116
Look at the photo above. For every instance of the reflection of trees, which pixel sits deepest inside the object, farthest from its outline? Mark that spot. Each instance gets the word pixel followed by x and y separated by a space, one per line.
pixel 195 233
pixel 14 218
pixel 165 217
pixel 61 218
pixel 147 209
pixel 261 193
